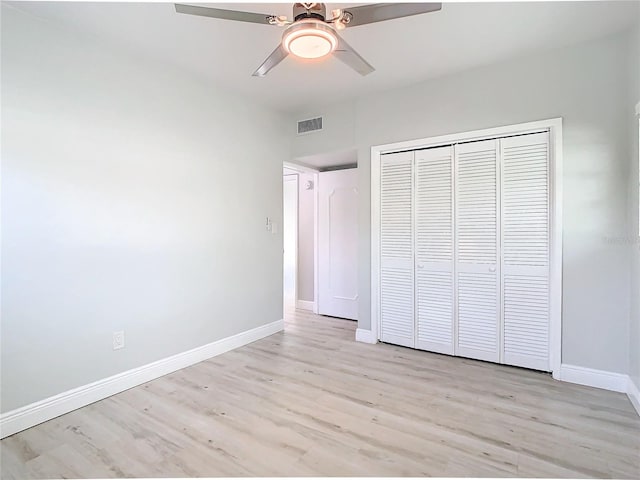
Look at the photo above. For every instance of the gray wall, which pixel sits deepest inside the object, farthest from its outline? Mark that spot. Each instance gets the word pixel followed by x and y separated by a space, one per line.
pixel 632 236
pixel 133 198
pixel 306 238
pixel 585 84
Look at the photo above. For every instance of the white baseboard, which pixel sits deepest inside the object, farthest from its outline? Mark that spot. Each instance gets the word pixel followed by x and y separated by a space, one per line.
pixel 633 392
pixel 616 382
pixel 365 336
pixel 25 417
pixel 306 305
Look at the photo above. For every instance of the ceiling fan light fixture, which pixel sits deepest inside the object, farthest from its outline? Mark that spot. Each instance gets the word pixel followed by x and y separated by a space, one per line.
pixel 311 34
pixel 309 39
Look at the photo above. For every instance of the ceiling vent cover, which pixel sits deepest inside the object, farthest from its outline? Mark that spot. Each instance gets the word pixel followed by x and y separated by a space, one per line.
pixel 311 125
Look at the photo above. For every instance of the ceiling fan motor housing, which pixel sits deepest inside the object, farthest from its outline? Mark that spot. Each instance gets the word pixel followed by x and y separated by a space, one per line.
pixel 309 10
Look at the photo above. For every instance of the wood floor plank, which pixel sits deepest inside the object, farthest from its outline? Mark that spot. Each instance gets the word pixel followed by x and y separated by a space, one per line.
pixel 312 402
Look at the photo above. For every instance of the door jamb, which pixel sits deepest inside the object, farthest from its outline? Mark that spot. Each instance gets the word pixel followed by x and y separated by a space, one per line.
pixel 300 168
pixel 295 179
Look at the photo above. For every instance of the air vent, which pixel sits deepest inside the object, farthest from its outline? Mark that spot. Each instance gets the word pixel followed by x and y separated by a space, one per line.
pixel 311 125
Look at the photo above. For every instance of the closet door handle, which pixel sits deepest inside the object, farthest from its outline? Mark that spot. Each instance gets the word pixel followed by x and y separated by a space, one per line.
pixel 492 269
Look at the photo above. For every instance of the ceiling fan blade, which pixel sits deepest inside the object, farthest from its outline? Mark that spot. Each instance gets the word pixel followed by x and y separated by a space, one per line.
pixel 387 11
pixel 346 54
pixel 224 14
pixel 272 60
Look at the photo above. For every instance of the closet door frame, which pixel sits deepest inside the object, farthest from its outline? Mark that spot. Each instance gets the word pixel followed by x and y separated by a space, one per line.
pixel 554 127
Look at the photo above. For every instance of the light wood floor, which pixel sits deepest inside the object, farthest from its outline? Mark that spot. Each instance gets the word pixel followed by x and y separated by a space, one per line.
pixel 311 401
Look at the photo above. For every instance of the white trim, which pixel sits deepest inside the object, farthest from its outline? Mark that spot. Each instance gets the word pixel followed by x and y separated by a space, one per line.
pixel 25 417
pixel 300 167
pixel 474 135
pixel 616 382
pixel 365 336
pixel 306 305
pixel 554 126
pixel 316 261
pixel 555 252
pixel 375 243
pixel 634 395
pixel 308 170
pixel 296 179
pixel 638 108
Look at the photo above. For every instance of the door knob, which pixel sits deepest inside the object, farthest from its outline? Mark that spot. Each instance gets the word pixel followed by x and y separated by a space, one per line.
pixel 492 269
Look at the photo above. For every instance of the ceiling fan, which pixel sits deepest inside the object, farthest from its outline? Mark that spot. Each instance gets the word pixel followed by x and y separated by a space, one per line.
pixel 311 34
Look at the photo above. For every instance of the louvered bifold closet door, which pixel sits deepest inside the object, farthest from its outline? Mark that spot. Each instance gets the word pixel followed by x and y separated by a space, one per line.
pixel 396 249
pixel 434 249
pixel 525 269
pixel 477 276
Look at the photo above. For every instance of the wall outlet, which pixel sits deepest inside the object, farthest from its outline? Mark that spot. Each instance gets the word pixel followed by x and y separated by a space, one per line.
pixel 118 340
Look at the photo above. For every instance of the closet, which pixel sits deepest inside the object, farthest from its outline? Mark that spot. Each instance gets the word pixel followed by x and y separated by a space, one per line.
pixel 464 249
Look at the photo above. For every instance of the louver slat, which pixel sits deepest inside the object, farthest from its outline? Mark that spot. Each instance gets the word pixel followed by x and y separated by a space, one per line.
pixel 434 249
pixel 396 249
pixel 477 250
pixel 525 218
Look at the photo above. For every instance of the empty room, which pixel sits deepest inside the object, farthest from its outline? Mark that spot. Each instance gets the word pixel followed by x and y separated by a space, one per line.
pixel 285 240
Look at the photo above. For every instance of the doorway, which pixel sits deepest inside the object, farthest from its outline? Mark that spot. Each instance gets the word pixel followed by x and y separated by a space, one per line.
pixel 320 243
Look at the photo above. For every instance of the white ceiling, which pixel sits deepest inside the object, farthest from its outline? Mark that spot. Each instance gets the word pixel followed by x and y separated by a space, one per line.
pixel 333 159
pixel 403 51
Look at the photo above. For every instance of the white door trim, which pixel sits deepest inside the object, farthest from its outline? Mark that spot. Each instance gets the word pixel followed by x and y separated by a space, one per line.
pixel 554 127
pixel 293 178
pixel 300 167
pixel 316 244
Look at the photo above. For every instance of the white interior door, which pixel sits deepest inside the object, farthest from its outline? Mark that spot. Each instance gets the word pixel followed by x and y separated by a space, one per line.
pixel 478 285
pixel 434 249
pixel 525 247
pixel 396 249
pixel 338 244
